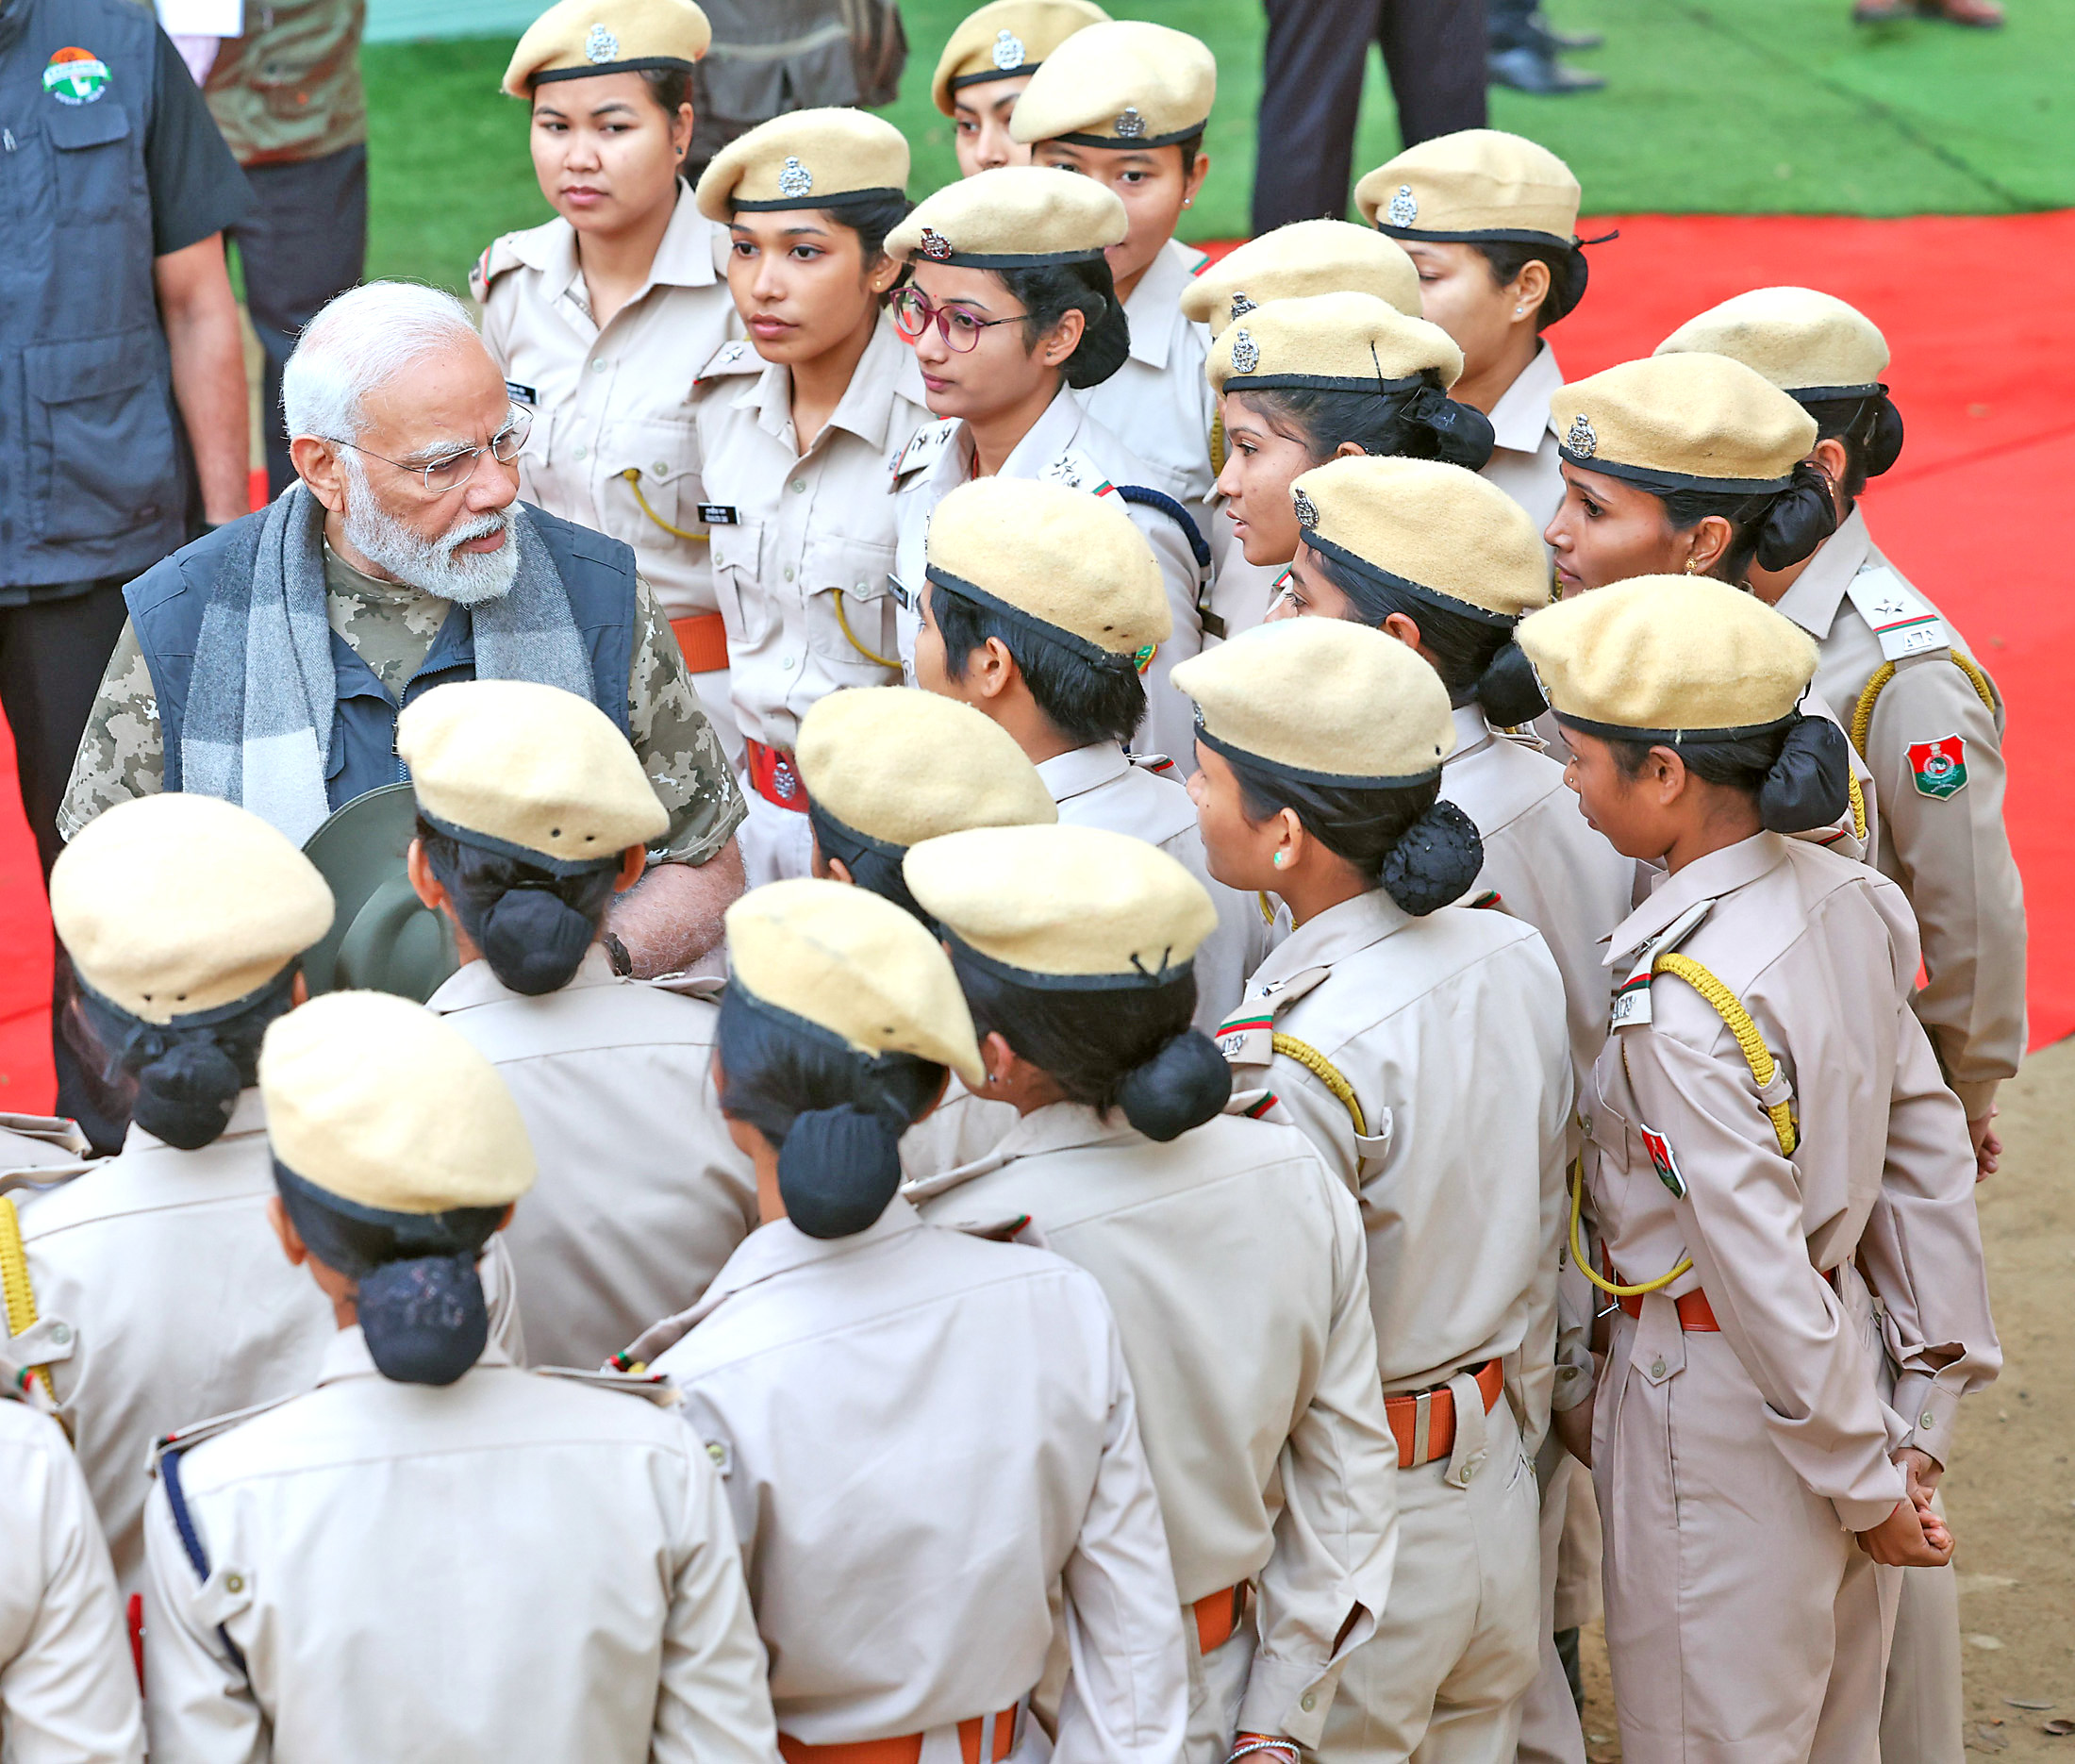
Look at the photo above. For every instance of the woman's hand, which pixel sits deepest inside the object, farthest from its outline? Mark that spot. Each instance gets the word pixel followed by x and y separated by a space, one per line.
pixel 1910 1536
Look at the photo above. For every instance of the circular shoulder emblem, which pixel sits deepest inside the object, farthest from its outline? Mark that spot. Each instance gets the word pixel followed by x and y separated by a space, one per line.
pixel 934 245
pixel 1241 306
pixel 601 46
pixel 1246 352
pixel 1405 208
pixel 76 76
pixel 1579 437
pixel 1307 510
pixel 1008 52
pixel 1131 126
pixel 794 179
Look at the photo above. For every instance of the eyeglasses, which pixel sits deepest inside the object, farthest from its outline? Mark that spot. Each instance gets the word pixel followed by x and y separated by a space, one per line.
pixel 960 331
pixel 453 470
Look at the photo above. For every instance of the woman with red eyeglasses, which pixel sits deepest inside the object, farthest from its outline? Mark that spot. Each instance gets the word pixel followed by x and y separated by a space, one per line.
pixel 1012 313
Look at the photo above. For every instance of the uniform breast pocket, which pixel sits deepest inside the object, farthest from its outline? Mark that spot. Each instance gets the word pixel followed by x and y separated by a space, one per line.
pixel 648 479
pixel 103 456
pixel 100 173
pixel 746 609
pixel 850 604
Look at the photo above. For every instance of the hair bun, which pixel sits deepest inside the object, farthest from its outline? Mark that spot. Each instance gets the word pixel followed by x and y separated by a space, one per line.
pixel 1809 784
pixel 186 1092
pixel 534 940
pixel 1885 444
pixel 1461 435
pixel 424 1318
pixel 1181 1087
pixel 1798 520
pixel 837 1168
pixel 1508 689
pixel 1435 860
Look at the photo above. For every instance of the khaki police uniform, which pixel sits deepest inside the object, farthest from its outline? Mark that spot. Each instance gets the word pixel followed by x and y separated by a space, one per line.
pixel 1157 404
pixel 1524 460
pixel 67 1691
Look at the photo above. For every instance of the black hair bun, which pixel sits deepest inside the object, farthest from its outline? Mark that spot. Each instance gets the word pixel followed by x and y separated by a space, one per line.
pixel 1181 1087
pixel 1569 277
pixel 1508 689
pixel 1435 860
pixel 424 1318
pixel 1884 445
pixel 1800 518
pixel 534 940
pixel 1460 434
pixel 837 1168
pixel 185 1095
pixel 1809 784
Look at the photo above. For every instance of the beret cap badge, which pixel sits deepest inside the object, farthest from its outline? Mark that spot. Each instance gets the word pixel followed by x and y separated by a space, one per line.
pixel 1579 439
pixel 600 45
pixel 1241 306
pixel 1306 510
pixel 1405 208
pixel 934 245
pixel 794 179
pixel 1008 52
pixel 1246 352
pixel 1131 126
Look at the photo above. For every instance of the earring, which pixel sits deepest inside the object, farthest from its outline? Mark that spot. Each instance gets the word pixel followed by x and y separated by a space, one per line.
pixel 1693 563
pixel 1279 857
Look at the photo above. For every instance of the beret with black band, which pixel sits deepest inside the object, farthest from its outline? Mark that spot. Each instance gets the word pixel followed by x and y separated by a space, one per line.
pixel 1012 217
pixel 1331 342
pixel 580 39
pixel 1684 422
pixel 1302 258
pixel 824 158
pixel 1006 39
pixel 1126 84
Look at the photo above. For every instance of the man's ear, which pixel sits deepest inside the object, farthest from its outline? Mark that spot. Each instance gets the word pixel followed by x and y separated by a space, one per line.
pixel 317 464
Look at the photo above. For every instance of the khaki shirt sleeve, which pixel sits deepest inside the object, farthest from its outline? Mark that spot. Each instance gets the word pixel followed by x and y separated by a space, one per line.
pixel 1337 1536
pixel 1921 1250
pixel 677 746
pixel 1953 861
pixel 201 1707
pixel 1742 1219
pixel 121 754
pixel 714 1703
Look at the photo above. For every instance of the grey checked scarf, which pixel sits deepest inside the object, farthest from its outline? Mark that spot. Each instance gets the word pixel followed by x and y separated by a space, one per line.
pixel 260 698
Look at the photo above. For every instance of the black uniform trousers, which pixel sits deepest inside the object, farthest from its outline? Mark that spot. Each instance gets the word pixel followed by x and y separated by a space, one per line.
pixel 1311 91
pixel 306 241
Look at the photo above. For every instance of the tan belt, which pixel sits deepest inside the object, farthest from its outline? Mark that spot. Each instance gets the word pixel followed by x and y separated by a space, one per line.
pixel 903 1748
pixel 1435 1409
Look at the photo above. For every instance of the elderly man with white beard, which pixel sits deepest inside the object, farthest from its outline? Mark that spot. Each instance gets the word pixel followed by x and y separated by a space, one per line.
pixel 266 662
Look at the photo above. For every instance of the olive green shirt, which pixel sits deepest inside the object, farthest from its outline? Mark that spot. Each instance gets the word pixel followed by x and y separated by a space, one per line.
pixel 391 629
pixel 290 88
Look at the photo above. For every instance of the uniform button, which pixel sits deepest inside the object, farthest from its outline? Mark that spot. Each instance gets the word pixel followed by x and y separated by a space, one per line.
pixel 789 573
pixel 1309 1701
pixel 797 485
pixel 716 1450
pixel 581 450
pixel 787 664
pixel 659 468
pixel 1929 1420
pixel 60 1334
pixel 1656 1369
pixel 234 1583
pixel 599 367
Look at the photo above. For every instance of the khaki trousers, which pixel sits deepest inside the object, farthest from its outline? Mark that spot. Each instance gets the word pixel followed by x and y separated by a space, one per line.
pixel 1455 1650
pixel 1550 1733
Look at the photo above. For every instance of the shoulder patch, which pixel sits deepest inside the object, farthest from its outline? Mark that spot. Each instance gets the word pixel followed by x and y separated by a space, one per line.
pixel 653 1385
pixel 1901 619
pixel 736 357
pixel 1664 1161
pixel 499 256
pixel 925 447
pixel 1938 769
pixel 1631 998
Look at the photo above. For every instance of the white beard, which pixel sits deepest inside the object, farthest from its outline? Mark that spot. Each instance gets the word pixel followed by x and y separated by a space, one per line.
pixel 436 566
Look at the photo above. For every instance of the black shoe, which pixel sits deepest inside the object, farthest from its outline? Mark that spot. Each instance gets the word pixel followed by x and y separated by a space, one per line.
pixel 1538 72
pixel 1572 40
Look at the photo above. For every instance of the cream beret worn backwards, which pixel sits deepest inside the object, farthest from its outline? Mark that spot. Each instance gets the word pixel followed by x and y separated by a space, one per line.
pixel 1323 701
pixel 1012 217
pixel 1809 344
pixel 1068 565
pixel 529 771
pixel 1075 908
pixel 579 38
pixel 1305 258
pixel 1669 658
pixel 805 159
pixel 856 967
pixel 1476 184
pixel 1442 532
pixel 1127 85
pixel 173 905
pixel 1331 342
pixel 895 766
pixel 381 1103
pixel 1006 39
pixel 1684 422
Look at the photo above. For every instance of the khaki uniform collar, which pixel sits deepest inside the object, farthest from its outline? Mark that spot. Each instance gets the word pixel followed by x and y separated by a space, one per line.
pixel 346 1355
pixel 1523 415
pixel 781 1246
pixel 1473 731
pixel 880 380
pixel 1812 602
pixel 1706 878
pixel 1154 307
pixel 684 256
pixel 475 983
pixel 1336 934
pixel 248 1116
pixel 1049 436
pixel 1082 770
pixel 1055 1127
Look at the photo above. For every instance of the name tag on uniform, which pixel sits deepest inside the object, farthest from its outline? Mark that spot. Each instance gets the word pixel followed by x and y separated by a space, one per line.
pixel 899 589
pixel 719 514
pixel 522 395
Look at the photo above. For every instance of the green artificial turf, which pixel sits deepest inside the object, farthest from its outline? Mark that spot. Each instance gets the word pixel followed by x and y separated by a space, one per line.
pixel 1759 107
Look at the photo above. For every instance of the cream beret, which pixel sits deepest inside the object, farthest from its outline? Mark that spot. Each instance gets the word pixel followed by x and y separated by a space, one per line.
pixel 531 771
pixel 1125 85
pixel 896 765
pixel 1476 184
pixel 1696 422
pixel 1667 657
pixel 1064 904
pixel 805 159
pixel 856 966
pixel 1303 258
pixel 1323 701
pixel 1006 39
pixel 1071 566
pixel 1810 345
pixel 381 1103
pixel 176 904
pixel 1444 532
pixel 1347 342
pixel 1012 217
pixel 579 38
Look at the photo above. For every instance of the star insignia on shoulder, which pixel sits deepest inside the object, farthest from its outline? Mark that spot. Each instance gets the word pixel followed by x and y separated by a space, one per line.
pixel 1008 52
pixel 794 179
pixel 1404 207
pixel 601 46
pixel 1579 437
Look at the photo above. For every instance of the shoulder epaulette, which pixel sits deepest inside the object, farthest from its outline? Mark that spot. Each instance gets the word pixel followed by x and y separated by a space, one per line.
pixel 1901 619
pixel 1631 998
pixel 736 357
pixel 498 257
pixel 185 1438
pixel 925 447
pixel 653 1385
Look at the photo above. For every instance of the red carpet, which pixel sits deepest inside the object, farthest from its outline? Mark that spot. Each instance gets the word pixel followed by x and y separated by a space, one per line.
pixel 1974 309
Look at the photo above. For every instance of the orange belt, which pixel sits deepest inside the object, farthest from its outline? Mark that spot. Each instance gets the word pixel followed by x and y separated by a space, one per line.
pixel 703 639
pixel 1218 1617
pixel 905 1748
pixel 1696 1315
pixel 1403 1412
pixel 774 777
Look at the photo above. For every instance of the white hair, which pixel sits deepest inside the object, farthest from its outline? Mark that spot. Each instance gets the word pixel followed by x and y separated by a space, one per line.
pixel 358 344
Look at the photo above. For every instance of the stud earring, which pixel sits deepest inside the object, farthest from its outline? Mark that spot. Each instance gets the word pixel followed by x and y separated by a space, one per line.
pixel 1279 857
pixel 1693 563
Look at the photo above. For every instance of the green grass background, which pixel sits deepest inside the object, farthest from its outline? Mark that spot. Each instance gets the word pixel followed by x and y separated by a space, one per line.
pixel 1754 107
